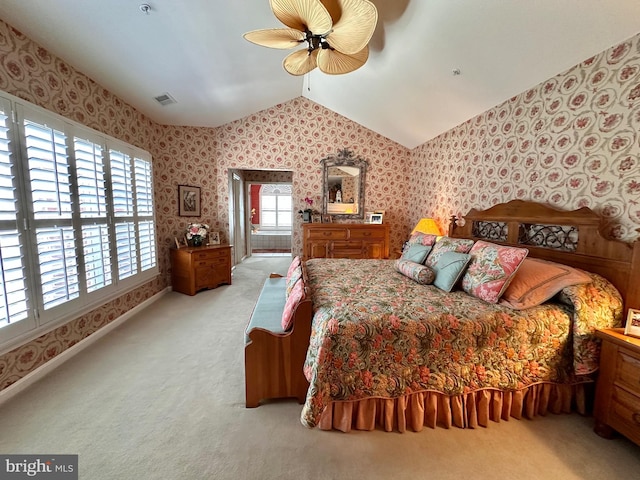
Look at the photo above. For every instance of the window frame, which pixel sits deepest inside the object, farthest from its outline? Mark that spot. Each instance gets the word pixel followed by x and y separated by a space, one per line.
pixel 41 320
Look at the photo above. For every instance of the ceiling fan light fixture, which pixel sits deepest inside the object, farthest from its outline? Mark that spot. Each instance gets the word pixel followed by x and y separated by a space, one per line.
pixel 337 33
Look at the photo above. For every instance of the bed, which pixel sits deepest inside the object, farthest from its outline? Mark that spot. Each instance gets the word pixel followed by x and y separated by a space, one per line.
pixel 388 352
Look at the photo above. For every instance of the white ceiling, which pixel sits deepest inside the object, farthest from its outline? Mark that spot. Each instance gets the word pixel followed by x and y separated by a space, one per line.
pixel 194 50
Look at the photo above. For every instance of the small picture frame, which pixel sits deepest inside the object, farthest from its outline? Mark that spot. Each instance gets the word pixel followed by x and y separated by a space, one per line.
pixel 327 218
pixel 214 238
pixel 376 218
pixel 188 201
pixel 316 218
pixel 633 323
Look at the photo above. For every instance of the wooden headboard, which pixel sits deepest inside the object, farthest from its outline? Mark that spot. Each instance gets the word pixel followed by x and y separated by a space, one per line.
pixel 569 237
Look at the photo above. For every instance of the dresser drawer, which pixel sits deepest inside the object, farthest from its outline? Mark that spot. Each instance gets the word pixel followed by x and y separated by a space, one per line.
pixel 625 413
pixel 327 234
pixel 209 255
pixel 372 233
pixel 628 371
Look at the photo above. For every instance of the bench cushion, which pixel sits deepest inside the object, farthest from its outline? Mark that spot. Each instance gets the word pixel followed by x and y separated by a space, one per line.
pixel 267 313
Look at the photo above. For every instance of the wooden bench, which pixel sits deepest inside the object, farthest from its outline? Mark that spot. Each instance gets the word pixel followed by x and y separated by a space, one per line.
pixel 274 358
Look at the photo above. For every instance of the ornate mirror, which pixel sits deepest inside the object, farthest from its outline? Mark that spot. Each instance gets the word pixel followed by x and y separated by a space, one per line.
pixel 343 185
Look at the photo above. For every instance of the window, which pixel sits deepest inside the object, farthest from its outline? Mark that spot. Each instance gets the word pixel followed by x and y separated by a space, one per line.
pixel 77 221
pixel 275 207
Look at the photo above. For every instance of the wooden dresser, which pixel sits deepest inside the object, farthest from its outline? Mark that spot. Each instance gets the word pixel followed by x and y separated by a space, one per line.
pixel 345 240
pixel 196 268
pixel 617 405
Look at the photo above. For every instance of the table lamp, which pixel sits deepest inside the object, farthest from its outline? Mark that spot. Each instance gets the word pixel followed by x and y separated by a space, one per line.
pixel 427 226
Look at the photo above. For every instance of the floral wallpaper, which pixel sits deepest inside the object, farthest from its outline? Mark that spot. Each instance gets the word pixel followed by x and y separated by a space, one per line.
pixel 295 136
pixel 571 141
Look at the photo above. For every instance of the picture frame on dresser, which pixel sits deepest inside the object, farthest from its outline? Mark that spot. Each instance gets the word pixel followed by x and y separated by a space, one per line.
pixel 189 198
pixel 214 238
pixel 632 326
pixel 376 218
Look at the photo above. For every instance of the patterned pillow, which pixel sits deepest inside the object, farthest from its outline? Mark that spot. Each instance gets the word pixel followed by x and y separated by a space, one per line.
pixel 491 269
pixel 423 239
pixel 292 278
pixel 539 280
pixel 297 295
pixel 420 273
pixel 448 244
pixel 449 268
pixel 294 264
pixel 416 252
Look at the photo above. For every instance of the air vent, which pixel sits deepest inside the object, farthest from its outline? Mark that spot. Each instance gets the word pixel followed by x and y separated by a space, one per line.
pixel 165 99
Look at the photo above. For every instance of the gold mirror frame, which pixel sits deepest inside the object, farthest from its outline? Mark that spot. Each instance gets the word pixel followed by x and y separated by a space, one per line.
pixel 346 160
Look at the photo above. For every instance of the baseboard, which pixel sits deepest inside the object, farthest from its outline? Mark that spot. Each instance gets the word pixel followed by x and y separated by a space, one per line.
pixel 58 360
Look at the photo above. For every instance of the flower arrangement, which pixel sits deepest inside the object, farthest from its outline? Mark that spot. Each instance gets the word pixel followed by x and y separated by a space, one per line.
pixel 306 213
pixel 196 233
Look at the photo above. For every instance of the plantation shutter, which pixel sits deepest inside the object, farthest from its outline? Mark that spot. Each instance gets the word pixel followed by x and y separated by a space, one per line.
pixel 50 182
pixel 144 209
pixel 13 289
pixel 122 192
pixel 90 176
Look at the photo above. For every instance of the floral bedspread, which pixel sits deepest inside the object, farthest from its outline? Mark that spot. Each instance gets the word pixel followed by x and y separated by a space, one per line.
pixel 377 333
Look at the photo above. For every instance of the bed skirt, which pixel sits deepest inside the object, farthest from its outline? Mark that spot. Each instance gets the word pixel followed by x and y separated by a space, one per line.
pixel 470 410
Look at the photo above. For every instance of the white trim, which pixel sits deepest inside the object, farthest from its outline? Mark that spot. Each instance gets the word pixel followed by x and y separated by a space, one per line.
pixel 58 360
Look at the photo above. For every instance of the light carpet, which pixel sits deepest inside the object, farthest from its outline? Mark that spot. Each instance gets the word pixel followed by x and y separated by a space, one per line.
pixel 162 397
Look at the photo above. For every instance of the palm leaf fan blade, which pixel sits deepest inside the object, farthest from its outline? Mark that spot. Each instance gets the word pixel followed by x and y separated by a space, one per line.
pixel 275 37
pixel 333 62
pixel 300 62
pixel 303 15
pixel 356 26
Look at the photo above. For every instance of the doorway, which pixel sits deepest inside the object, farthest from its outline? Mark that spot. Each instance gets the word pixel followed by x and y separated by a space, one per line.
pixel 271 217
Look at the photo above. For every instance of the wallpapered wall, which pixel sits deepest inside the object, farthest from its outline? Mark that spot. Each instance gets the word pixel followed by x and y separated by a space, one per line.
pixel 295 136
pixel 30 72
pixel 571 141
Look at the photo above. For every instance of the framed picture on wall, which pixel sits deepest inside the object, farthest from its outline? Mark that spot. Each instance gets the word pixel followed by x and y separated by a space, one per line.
pixel 188 201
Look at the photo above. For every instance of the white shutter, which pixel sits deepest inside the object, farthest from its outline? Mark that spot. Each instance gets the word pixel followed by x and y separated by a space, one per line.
pixel 121 184
pixel 147 242
pixel 126 249
pixel 96 255
pixel 48 171
pixel 58 265
pixel 13 290
pixel 92 199
pixel 90 178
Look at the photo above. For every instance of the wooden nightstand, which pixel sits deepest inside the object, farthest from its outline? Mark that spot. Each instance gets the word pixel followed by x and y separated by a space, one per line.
pixel 197 268
pixel 617 405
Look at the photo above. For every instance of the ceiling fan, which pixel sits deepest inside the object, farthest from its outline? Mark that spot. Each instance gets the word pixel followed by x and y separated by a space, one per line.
pixel 337 33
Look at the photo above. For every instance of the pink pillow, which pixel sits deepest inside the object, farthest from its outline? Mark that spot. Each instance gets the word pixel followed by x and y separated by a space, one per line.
pixel 295 263
pixel 539 280
pixel 295 297
pixel 491 269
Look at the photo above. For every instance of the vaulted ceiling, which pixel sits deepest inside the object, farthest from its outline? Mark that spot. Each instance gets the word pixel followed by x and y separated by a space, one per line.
pixel 194 51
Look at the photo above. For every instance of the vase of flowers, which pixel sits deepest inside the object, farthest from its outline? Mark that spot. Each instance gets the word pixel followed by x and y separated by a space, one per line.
pixel 306 213
pixel 196 233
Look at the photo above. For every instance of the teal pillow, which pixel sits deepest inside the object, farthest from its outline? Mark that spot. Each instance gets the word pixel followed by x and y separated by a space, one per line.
pixel 449 268
pixel 416 252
